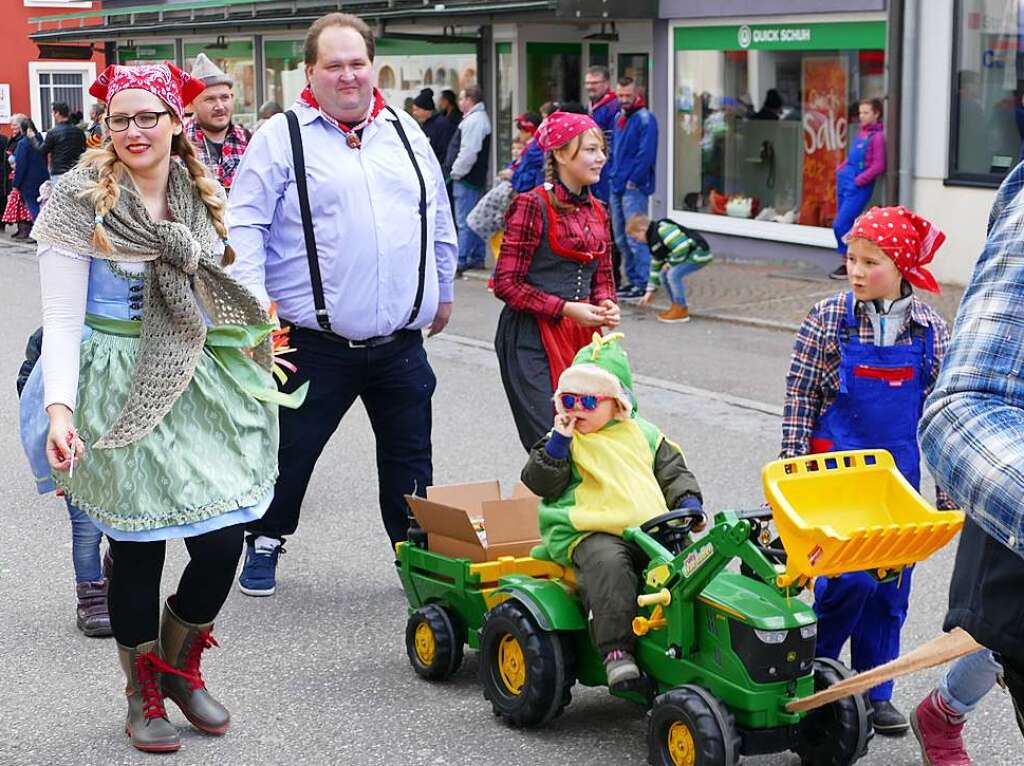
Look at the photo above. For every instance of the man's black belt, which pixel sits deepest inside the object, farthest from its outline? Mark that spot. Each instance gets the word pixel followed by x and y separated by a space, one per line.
pixel 374 342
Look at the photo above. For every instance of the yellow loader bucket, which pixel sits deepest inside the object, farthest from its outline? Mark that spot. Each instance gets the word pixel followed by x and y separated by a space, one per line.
pixel 851 511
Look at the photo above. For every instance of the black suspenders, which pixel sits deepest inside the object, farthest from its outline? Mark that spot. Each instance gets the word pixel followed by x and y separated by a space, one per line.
pixel 298 160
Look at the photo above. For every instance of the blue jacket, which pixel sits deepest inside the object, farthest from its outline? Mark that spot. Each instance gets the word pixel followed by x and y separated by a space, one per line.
pixel 529 173
pixel 605 116
pixel 634 152
pixel 29 174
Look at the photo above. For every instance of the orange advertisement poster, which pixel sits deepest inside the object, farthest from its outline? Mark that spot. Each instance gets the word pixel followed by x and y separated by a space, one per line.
pixel 825 125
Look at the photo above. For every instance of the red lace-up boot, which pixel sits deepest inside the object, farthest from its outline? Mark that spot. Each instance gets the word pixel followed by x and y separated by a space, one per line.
pixel 147 723
pixel 182 645
pixel 939 730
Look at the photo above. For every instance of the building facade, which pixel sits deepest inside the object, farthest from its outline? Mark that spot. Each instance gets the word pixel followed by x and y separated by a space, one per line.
pixel 757 100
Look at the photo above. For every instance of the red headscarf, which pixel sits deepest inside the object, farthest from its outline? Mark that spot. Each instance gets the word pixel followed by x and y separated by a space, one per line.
pixel 559 128
pixel 904 236
pixel 174 87
pixel 525 123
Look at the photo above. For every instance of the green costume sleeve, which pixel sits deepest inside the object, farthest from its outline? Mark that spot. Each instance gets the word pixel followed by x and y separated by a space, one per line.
pixel 674 477
pixel 545 476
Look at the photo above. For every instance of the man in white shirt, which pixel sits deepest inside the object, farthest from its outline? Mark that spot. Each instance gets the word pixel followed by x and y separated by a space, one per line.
pixel 372 267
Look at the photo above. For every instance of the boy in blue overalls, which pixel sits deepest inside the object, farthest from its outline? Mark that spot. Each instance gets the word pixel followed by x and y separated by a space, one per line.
pixel 863 362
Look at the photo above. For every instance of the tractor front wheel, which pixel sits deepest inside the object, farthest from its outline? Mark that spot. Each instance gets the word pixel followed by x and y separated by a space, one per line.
pixel 433 641
pixel 838 733
pixel 526 673
pixel 690 727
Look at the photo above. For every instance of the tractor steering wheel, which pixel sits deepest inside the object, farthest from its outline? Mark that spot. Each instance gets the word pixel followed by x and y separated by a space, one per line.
pixel 671 529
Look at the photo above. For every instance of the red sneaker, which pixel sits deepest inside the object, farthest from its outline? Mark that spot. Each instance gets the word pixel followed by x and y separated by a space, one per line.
pixel 939 732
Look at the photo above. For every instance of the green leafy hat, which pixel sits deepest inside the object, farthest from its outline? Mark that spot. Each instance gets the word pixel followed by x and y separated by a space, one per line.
pixel 601 367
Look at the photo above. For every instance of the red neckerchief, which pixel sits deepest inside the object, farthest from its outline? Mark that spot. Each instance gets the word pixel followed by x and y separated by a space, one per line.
pixel 609 96
pixel 351 131
pixel 627 113
pixel 567 252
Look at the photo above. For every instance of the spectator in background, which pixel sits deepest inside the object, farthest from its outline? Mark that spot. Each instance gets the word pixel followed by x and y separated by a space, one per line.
pixel 466 164
pixel 604 109
pixel 448 104
pixel 15 210
pixel 63 145
pixel 30 174
pixel 219 143
pixel 439 129
pixel 634 152
pixel 267 110
pixel 772 108
pixel 94 130
pixel 528 170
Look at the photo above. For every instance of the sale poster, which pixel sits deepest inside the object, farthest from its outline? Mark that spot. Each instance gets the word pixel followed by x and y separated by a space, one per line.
pixel 824 131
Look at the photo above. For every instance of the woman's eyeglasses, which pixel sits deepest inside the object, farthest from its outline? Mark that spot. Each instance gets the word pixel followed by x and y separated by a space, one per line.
pixel 588 402
pixel 118 123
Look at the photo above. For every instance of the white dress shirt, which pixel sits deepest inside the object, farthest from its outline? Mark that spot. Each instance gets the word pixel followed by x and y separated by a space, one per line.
pixel 365 208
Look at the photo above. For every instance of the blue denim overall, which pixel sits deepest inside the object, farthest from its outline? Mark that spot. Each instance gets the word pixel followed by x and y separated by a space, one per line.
pixel 850 198
pixel 881 393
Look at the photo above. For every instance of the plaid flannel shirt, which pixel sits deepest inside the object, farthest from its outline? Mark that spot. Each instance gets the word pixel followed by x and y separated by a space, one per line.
pixel 581 229
pixel 972 430
pixel 813 379
pixel 235 142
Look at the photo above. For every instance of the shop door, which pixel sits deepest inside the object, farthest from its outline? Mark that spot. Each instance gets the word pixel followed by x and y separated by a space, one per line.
pixel 553 73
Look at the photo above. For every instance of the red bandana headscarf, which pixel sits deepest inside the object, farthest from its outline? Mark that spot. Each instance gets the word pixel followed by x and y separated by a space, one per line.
pixel 904 236
pixel 306 97
pixel 526 124
pixel 561 127
pixel 172 86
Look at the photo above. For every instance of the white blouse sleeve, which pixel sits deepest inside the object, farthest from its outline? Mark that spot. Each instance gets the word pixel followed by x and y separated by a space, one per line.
pixel 64 281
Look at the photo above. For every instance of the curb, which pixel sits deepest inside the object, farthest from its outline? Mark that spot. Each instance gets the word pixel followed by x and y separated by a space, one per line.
pixel 765 324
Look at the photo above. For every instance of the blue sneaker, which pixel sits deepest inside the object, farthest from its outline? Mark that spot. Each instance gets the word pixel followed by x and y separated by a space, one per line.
pixel 258 573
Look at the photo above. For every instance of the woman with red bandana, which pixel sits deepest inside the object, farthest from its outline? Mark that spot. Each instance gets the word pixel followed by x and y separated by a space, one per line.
pixel 554 273
pixel 143 408
pixel 863 362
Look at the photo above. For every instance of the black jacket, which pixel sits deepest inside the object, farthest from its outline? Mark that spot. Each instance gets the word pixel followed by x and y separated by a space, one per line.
pixel 64 144
pixel 439 130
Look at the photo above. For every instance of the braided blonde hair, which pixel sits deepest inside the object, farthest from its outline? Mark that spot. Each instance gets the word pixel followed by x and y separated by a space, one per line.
pixel 107 190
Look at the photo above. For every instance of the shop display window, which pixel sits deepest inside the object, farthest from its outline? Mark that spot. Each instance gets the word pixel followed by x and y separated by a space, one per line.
pixel 764 115
pixel 987 121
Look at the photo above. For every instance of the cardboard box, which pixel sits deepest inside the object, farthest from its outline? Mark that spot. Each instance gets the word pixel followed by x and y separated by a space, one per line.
pixel 452 513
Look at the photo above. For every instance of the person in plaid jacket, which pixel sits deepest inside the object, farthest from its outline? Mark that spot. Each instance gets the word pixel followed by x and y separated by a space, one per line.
pixel 863 363
pixel 219 143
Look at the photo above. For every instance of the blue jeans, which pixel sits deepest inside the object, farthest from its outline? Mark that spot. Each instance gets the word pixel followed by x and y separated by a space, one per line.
pixel 471 247
pixel 672 278
pixel 85 545
pixel 968 680
pixel 636 256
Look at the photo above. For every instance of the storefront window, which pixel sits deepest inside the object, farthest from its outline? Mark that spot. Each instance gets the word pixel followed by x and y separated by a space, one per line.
pixel 405 67
pixel 284 70
pixel 553 73
pixel 764 114
pixel 504 78
pixel 235 57
pixel 988 86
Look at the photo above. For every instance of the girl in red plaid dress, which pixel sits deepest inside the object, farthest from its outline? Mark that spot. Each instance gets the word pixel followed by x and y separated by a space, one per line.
pixel 554 272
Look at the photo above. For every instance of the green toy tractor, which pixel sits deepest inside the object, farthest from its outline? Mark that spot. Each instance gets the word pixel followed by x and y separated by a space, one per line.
pixel 722 652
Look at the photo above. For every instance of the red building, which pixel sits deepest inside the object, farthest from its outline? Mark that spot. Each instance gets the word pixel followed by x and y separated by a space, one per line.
pixel 31 80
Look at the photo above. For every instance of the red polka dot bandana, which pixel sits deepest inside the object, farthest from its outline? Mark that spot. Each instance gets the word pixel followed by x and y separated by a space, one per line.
pixel 904 236
pixel 560 128
pixel 172 86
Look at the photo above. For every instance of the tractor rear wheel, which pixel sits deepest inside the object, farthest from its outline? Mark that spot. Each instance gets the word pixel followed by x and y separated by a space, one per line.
pixel 836 734
pixel 526 673
pixel 688 726
pixel 433 641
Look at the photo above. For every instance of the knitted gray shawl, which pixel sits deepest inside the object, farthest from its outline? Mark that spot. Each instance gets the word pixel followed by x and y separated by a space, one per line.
pixel 181 266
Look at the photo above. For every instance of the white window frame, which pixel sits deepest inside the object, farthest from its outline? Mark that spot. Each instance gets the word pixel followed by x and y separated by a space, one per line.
pixel 86 68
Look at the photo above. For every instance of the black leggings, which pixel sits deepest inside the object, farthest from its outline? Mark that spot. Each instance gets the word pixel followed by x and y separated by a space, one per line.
pixel 134 596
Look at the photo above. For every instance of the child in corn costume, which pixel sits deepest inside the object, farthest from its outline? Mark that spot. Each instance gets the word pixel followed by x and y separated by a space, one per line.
pixel 601 470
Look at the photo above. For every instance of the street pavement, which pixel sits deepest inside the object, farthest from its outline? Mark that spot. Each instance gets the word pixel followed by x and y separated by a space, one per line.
pixel 318 674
